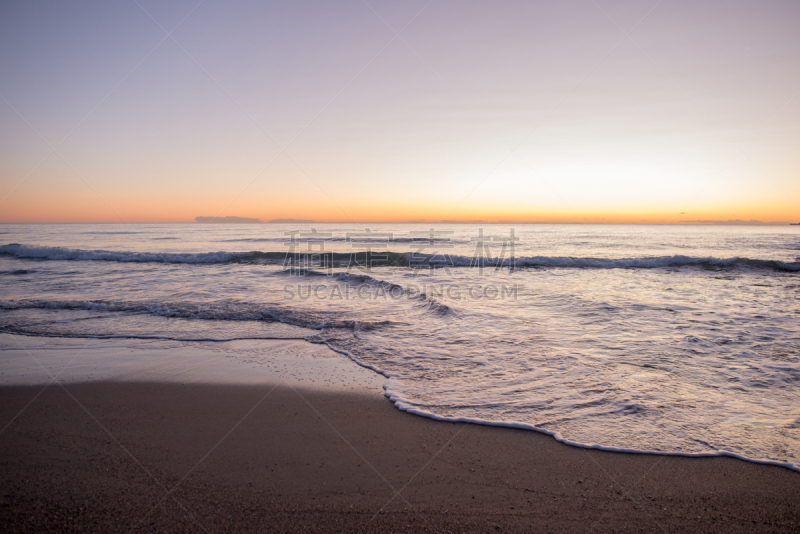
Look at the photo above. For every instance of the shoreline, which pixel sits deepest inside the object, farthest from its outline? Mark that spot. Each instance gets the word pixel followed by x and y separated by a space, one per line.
pixel 603 448
pixel 103 456
pixel 312 364
pixel 294 436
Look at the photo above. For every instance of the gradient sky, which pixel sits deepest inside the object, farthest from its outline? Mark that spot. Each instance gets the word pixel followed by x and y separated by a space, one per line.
pixel 568 111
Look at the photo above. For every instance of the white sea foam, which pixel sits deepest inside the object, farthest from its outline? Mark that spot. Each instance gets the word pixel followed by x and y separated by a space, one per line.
pixel 439 260
pixel 68 254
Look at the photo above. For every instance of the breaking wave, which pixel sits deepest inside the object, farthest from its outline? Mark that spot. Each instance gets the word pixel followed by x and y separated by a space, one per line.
pixel 220 311
pixel 338 259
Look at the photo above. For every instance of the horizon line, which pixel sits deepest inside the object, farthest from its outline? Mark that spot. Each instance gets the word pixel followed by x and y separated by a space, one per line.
pixel 307 222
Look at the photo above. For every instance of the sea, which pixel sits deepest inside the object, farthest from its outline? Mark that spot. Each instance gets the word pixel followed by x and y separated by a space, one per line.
pixel 654 339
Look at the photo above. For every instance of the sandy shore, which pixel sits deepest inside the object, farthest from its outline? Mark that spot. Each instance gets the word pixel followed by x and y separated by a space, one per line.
pixel 292 437
pixel 110 456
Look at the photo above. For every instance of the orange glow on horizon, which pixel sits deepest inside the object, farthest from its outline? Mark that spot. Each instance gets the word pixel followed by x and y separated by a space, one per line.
pixel 529 113
pixel 129 212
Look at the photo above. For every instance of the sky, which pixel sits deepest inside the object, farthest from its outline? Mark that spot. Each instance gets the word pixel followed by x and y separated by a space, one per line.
pixel 609 111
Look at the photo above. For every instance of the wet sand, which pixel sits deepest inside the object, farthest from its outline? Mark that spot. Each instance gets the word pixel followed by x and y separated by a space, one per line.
pixel 144 456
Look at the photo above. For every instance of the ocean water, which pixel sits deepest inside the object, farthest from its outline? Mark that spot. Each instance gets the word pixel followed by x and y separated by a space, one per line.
pixel 672 339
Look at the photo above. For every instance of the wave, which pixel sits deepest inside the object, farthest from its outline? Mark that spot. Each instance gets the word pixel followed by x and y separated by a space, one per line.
pixel 434 306
pixel 401 404
pixel 21 332
pixel 658 262
pixel 425 301
pixel 335 239
pixel 36 252
pixel 347 277
pixel 219 311
pixel 407 259
pixel 17 272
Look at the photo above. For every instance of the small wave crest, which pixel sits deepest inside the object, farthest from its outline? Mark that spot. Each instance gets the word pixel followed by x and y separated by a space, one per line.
pixel 220 311
pixel 424 301
pixel 346 277
pixel 36 252
pixel 408 259
pixel 434 306
pixel 657 263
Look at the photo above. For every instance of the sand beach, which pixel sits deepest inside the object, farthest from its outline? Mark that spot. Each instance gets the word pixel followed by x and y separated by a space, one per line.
pixel 178 453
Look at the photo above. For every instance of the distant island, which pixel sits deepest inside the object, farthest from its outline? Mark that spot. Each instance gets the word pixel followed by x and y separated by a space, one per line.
pixel 229 220
pixel 249 220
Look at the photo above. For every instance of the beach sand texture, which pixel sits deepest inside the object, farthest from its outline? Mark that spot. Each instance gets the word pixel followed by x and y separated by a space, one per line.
pixel 294 456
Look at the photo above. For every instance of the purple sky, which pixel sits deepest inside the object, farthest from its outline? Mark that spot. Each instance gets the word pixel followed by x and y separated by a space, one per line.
pixel 562 111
